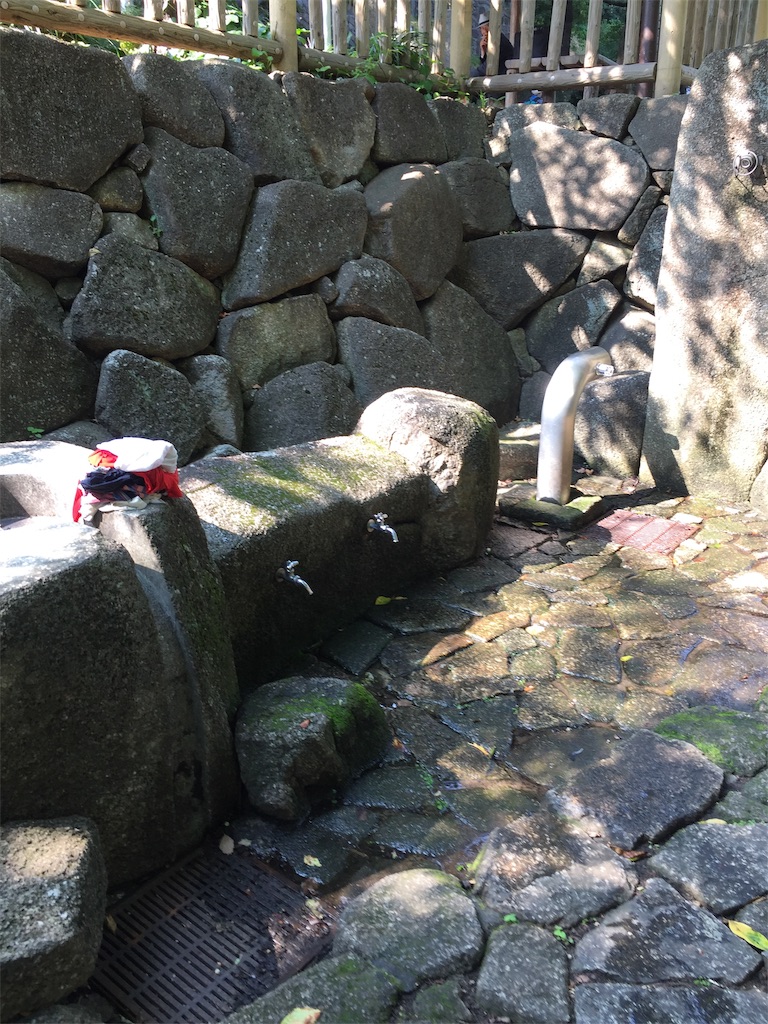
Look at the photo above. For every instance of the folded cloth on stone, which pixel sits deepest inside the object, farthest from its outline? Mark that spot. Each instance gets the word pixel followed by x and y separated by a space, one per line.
pixel 129 472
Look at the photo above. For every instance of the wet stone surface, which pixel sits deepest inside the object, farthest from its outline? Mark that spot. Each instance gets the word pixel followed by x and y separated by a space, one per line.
pixel 578 742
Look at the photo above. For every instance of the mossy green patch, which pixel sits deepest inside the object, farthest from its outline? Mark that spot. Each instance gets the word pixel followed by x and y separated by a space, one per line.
pixel 735 740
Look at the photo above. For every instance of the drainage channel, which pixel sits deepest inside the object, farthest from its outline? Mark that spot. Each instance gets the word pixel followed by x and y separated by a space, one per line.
pixel 208 936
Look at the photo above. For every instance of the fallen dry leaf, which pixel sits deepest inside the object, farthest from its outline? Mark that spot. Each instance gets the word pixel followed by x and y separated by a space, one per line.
pixel 302 1015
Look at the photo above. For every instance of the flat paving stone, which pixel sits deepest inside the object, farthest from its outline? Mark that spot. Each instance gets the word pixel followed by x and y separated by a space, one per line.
pixel 524 976
pixel 660 936
pixel 357 646
pixel 722 866
pixel 471 674
pixel 726 676
pixel 404 788
pixel 589 654
pixel 747 805
pixel 578 702
pixel 646 788
pixel 405 654
pixel 411 833
pixel 522 599
pixel 488 723
pixel 490 626
pixel 419 923
pixel 555 758
pixel 484 574
pixel 735 740
pixel 569 613
pixel 534 666
pixel 612 1003
pixel 486 806
pixel 510 541
pixel 636 618
pixel 415 615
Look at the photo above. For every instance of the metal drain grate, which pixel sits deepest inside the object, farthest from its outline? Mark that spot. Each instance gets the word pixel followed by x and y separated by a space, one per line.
pixel 210 935
pixel 647 533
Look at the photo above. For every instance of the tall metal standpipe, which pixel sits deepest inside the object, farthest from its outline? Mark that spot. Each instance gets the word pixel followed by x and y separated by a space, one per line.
pixel 558 419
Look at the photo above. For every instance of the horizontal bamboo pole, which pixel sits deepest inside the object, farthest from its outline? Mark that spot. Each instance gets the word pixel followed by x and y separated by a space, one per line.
pixel 575 78
pixel 56 17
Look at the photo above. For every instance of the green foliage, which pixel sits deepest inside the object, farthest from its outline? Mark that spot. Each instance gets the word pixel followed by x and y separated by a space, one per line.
pixel 35 432
pixel 561 934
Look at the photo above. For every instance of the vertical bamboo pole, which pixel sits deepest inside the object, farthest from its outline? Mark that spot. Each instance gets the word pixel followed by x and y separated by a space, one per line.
pixel 251 19
pixel 592 45
pixel 632 31
pixel 556 34
pixel 697 35
pixel 721 26
pixel 742 19
pixel 316 35
pixel 514 18
pixel 761 21
pixel 461 36
pixel 687 42
pixel 709 28
pixel 439 36
pixel 402 17
pixel 327 24
pixel 425 22
pixel 217 18
pixel 282 21
pixel 153 9
pixel 494 40
pixel 649 39
pixel 527 12
pixel 113 7
pixel 362 29
pixel 340 26
pixel 386 29
pixel 671 38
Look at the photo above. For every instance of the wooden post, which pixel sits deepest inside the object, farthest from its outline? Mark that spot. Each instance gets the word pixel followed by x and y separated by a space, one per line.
pixel 182 10
pixel 761 21
pixel 709 28
pixel 697 35
pixel 721 26
pixel 461 36
pixel 425 22
pixel 632 31
pixel 439 36
pixel 282 21
pixel 340 26
pixel 362 29
pixel 592 45
pixel 671 39
pixel 153 9
pixel 402 17
pixel 251 17
pixel 316 35
pixel 217 16
pixel 494 39
pixel 386 29
pixel 327 24
pixel 514 19
pixel 568 78
pixel 556 34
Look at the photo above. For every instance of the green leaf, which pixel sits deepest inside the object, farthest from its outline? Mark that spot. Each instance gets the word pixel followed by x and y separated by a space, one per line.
pixel 311 861
pixel 302 1015
pixel 756 939
pixel 382 600
pixel 510 919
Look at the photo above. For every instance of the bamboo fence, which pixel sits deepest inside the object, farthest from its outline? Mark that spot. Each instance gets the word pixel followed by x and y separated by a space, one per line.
pixel 427 41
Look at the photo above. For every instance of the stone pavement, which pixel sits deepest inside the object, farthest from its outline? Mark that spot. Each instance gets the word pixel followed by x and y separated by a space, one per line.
pixel 575 803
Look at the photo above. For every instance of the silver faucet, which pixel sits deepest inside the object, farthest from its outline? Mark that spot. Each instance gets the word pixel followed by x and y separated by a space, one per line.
pixel 377 525
pixel 287 573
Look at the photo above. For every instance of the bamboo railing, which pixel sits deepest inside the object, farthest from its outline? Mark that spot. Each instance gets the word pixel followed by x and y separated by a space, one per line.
pixel 687 31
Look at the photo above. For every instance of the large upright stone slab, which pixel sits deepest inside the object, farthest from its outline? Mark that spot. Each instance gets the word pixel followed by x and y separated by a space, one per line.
pixel 109 752
pixel 374 289
pixel 708 397
pixel 295 232
pixel 565 179
pixel 656 127
pixel 53 90
pixel 414 223
pixel 406 130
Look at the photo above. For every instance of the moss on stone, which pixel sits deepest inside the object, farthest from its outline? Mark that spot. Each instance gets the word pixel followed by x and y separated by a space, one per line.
pixel 735 740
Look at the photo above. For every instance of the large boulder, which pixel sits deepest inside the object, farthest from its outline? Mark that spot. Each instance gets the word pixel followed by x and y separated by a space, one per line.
pixel 300 738
pixel 337 120
pixel 47 230
pixel 406 130
pixel 172 313
pixel 463 126
pixel 264 341
pixel 140 397
pixel 535 265
pixel 53 890
pixel 382 358
pixel 608 115
pixel 199 199
pixel 46 382
pixel 216 387
pixel 610 420
pixel 565 179
pixel 414 223
pixel 261 126
pixel 655 128
pixel 295 233
pixel 173 98
pixel 90 134
pixel 455 444
pixel 305 404
pixel 643 270
pixel 708 394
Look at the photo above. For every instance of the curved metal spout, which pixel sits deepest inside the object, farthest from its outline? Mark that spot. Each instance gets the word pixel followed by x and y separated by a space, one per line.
pixel 286 573
pixel 558 418
pixel 377 525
